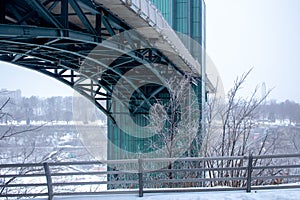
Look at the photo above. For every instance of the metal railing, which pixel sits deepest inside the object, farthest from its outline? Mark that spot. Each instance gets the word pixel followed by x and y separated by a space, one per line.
pixel 137 176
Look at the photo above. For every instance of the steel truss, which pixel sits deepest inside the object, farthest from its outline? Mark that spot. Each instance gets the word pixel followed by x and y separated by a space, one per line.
pixel 58 38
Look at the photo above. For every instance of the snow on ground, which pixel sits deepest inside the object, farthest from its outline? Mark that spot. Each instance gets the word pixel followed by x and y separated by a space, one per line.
pixel 282 194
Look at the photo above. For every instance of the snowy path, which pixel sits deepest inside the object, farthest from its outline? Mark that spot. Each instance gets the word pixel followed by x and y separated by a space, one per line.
pixel 283 194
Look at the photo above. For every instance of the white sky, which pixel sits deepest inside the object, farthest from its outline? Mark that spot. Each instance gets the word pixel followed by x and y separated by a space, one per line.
pixel 263 34
pixel 241 34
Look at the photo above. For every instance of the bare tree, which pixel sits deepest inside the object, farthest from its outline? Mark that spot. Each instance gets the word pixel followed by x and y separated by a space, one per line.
pixel 22 154
pixel 230 133
pixel 175 121
pixel 176 124
pixel 11 131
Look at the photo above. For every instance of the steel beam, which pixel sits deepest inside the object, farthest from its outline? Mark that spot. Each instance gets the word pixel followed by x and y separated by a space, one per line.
pixel 43 12
pixel 3 5
pixel 82 17
pixel 108 26
pixel 57 47
pixel 64 14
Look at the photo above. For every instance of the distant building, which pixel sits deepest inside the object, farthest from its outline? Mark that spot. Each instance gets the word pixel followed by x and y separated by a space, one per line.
pixel 14 95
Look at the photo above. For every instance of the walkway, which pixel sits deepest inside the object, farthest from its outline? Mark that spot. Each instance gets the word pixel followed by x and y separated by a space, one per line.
pixel 283 194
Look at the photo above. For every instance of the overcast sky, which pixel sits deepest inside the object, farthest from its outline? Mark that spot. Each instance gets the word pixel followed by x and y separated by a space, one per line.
pixel 263 34
pixel 241 34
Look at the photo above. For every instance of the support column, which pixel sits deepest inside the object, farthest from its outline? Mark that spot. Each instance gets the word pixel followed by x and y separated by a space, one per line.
pixel 2 11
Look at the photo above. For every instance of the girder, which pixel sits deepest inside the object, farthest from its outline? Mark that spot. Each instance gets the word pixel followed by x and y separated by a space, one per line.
pixel 56 37
pixel 44 13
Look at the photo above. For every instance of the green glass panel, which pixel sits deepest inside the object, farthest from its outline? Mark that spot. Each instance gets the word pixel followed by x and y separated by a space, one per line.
pixel 184 16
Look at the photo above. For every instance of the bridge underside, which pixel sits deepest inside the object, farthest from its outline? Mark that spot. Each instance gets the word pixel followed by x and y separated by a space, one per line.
pixel 87 47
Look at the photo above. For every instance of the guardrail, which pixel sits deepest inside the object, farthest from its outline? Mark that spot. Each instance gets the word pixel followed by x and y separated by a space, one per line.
pixel 180 175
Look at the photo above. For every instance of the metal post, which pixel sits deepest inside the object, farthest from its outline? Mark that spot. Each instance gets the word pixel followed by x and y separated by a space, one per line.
pixel 140 174
pixel 249 173
pixel 98 26
pixel 64 14
pixel 49 181
pixel 203 75
pixel 2 11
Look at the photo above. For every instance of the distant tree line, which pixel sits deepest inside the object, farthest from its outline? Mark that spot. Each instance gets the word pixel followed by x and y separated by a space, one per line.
pixel 287 110
pixel 37 109
pixel 53 109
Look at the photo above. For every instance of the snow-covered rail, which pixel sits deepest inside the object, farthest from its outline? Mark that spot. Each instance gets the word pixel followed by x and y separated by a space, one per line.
pixel 135 176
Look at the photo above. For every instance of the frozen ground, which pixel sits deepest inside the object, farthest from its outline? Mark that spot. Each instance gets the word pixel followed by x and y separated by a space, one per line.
pixel 282 194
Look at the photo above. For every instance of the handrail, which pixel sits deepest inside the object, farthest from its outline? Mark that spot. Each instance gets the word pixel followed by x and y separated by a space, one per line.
pixel 59 178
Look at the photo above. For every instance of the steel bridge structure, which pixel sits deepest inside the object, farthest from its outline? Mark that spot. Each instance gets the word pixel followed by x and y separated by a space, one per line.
pixel 90 45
